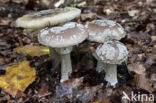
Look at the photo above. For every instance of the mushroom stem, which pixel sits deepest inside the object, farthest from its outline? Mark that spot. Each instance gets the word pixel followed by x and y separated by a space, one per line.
pixel 111 74
pixel 55 57
pixel 100 66
pixel 66 67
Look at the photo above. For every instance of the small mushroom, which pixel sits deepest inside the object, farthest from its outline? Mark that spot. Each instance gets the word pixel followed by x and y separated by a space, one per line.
pixel 34 22
pixel 62 38
pixel 102 30
pixel 110 54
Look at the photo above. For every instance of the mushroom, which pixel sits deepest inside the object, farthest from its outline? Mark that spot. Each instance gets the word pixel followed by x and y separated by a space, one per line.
pixel 102 30
pixel 47 18
pixel 62 38
pixel 34 22
pixel 110 54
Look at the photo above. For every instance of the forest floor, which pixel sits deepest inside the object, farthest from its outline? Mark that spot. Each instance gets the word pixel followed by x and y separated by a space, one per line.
pixel 137 74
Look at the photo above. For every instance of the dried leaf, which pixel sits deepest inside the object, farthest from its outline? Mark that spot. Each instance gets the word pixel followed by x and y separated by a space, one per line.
pixel 133 12
pixel 153 77
pixel 32 50
pixel 103 101
pixel 87 93
pixel 17 78
pixel 150 60
pixel 88 16
pixel 20 1
pixel 136 68
pixel 142 82
pixel 6 97
pixel 44 92
pixel 2 60
pixel 66 88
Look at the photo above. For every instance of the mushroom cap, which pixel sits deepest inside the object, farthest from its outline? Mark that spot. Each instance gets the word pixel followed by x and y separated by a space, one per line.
pixel 103 30
pixel 63 36
pixel 112 52
pixel 47 18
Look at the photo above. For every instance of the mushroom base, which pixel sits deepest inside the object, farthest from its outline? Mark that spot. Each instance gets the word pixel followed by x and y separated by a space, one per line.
pixel 111 74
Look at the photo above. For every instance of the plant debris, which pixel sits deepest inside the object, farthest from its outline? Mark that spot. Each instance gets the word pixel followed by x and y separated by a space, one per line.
pixel 39 82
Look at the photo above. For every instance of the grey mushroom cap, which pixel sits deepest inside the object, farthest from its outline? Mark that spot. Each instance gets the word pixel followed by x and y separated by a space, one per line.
pixel 112 52
pixel 67 35
pixel 46 18
pixel 103 30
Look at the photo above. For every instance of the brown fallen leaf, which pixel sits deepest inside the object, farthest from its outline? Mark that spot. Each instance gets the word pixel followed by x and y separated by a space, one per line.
pixel 43 92
pixel 6 97
pixel 133 12
pixel 4 1
pixel 142 82
pixel 103 101
pixel 20 1
pixel 153 38
pixel 153 77
pixel 32 50
pixel 88 16
pixel 140 76
pixel 17 78
pixel 150 60
pixel 136 68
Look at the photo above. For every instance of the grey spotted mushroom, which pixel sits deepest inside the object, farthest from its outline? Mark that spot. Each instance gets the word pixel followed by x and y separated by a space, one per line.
pixel 47 18
pixel 103 30
pixel 62 38
pixel 110 54
pixel 34 22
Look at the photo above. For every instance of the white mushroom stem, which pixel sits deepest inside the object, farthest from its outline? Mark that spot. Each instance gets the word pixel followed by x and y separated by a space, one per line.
pixel 66 67
pixel 111 74
pixel 100 66
pixel 55 57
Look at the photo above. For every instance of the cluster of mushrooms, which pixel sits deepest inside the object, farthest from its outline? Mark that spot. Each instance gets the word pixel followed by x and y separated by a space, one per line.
pixel 59 34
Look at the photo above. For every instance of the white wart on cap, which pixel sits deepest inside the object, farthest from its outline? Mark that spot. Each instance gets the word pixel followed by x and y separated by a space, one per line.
pixel 63 36
pixel 103 30
pixel 112 52
pixel 47 18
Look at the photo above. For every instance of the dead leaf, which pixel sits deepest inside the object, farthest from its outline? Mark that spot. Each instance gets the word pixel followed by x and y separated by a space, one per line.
pixel 153 77
pixel 43 92
pixel 142 82
pixel 87 93
pixel 7 97
pixel 5 21
pixel 2 60
pixel 4 1
pixel 150 60
pixel 103 101
pixel 153 38
pixel 88 16
pixel 133 12
pixel 66 88
pixel 32 50
pixel 17 77
pixel 136 68
pixel 20 1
